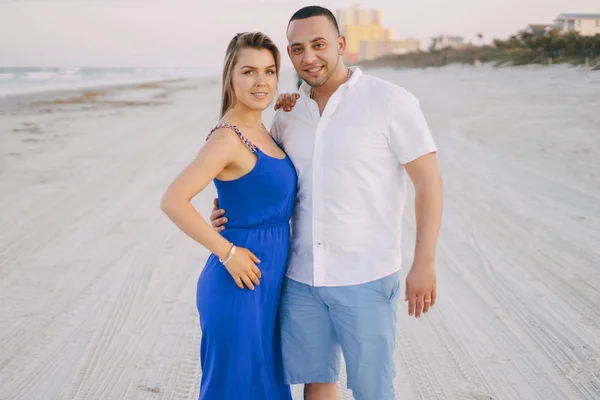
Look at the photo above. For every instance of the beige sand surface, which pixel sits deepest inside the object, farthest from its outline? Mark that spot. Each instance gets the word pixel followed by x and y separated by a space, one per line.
pixel 97 287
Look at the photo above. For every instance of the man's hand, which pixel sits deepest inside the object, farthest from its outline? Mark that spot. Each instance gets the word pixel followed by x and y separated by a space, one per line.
pixel 216 217
pixel 421 288
pixel 287 101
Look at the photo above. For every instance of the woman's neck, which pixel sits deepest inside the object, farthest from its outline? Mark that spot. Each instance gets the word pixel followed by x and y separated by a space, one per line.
pixel 243 116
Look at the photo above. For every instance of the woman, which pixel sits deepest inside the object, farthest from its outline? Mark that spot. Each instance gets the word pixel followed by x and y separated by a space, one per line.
pixel 239 289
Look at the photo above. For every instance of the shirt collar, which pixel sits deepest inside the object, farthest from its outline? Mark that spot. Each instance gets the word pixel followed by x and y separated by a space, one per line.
pixel 356 74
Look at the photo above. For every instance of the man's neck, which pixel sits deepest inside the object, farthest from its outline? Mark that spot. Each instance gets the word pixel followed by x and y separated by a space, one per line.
pixel 337 79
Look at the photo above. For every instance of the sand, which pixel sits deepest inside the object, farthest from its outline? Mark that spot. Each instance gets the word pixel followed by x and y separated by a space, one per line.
pixel 97 286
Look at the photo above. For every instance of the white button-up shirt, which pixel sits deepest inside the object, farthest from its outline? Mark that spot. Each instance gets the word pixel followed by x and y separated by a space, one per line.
pixel 346 225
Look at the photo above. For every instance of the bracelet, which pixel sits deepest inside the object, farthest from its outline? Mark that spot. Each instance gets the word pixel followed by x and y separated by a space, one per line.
pixel 229 255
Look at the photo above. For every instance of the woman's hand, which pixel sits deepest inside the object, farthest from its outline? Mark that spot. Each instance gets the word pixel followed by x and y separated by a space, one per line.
pixel 242 268
pixel 287 101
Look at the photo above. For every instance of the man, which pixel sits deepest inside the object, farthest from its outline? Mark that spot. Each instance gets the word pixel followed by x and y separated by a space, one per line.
pixel 352 138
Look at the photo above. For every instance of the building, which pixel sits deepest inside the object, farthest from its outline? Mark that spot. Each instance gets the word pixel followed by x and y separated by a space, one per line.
pixel 448 42
pixel 366 38
pixel 359 26
pixel 584 24
pixel 538 29
pixel 375 49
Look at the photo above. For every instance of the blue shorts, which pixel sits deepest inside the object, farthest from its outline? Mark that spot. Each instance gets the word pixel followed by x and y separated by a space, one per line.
pixel 358 320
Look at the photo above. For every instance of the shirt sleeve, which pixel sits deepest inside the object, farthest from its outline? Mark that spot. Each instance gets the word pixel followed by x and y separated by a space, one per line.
pixel 275 128
pixel 409 135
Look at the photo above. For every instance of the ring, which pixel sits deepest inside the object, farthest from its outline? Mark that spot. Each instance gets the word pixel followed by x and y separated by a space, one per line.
pixel 427 300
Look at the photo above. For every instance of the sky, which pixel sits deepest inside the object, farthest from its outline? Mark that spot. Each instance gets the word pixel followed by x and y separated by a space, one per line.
pixel 188 33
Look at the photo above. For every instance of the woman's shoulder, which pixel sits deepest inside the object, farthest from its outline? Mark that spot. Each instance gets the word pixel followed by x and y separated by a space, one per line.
pixel 225 128
pixel 222 133
pixel 229 134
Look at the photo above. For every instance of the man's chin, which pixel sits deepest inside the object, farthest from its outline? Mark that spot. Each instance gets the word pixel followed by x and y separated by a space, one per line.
pixel 315 83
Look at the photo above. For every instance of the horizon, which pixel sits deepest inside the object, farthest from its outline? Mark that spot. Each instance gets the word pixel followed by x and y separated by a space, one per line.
pixel 185 34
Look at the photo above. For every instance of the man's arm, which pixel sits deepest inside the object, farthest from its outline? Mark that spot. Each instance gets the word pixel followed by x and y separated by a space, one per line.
pixel 411 141
pixel 425 175
pixel 421 282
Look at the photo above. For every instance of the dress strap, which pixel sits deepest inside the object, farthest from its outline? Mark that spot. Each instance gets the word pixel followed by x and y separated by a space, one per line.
pixel 234 128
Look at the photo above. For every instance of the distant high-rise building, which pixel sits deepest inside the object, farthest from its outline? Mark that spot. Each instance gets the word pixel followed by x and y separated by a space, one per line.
pixel 366 38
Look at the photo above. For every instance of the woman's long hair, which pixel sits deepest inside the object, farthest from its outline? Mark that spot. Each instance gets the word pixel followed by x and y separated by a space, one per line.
pixel 252 40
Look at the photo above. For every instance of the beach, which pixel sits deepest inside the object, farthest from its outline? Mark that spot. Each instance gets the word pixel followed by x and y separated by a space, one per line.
pixel 97 286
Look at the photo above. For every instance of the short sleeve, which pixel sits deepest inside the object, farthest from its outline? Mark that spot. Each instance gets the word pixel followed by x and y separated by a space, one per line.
pixel 409 135
pixel 275 128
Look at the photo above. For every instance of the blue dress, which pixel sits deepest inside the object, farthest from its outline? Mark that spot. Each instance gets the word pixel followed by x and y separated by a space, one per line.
pixel 240 352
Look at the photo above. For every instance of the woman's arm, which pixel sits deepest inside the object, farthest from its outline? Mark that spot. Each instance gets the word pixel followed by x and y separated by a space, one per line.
pixel 218 152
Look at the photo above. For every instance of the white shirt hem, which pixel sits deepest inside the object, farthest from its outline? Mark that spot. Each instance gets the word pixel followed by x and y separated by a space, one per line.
pixel 349 283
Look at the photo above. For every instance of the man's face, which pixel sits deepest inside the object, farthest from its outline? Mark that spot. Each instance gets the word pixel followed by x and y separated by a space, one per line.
pixel 315 49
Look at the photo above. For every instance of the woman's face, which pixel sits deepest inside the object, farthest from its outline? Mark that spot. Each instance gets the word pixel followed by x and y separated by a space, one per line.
pixel 254 78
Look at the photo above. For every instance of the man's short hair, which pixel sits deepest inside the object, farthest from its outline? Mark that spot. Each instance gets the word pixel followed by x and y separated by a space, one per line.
pixel 315 11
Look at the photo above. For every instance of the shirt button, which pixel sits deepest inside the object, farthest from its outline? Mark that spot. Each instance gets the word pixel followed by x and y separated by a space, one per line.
pixel 318 244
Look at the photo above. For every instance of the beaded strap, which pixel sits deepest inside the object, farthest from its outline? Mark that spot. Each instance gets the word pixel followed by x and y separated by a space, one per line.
pixel 248 143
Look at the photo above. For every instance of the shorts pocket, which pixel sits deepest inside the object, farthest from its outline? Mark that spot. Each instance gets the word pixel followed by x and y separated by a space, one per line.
pixel 390 285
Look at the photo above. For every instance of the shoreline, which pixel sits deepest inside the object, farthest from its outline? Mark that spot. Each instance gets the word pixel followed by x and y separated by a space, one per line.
pixel 93 93
pixel 479 55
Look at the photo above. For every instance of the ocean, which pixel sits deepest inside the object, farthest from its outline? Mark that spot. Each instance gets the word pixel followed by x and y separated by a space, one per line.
pixel 18 80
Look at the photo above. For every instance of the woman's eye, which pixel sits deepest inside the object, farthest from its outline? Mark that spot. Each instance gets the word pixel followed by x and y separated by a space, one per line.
pixel 247 72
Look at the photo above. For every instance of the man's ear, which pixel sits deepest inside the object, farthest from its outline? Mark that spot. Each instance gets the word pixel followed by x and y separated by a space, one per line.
pixel 341 45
